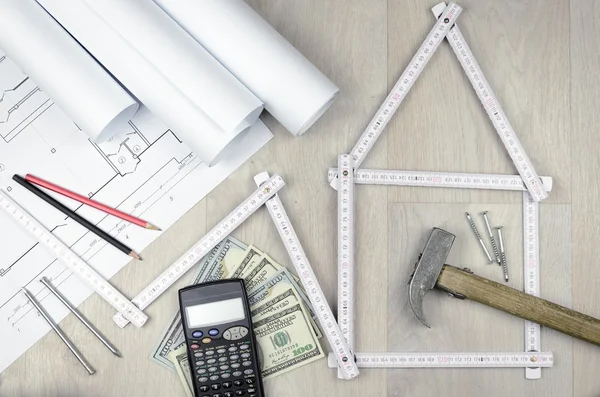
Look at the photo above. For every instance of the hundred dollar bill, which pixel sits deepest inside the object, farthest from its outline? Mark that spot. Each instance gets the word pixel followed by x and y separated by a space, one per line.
pixel 286 341
pixel 209 268
pixel 277 285
pixel 251 256
pixel 264 269
pixel 182 366
pixel 264 309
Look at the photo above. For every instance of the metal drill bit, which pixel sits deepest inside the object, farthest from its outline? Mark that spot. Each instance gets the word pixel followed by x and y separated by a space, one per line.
pixel 80 316
pixel 59 332
pixel 502 253
pixel 492 239
pixel 476 232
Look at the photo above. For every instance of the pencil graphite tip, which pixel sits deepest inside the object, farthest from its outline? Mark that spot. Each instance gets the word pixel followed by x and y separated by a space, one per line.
pixel 152 227
pixel 117 353
pixel 135 255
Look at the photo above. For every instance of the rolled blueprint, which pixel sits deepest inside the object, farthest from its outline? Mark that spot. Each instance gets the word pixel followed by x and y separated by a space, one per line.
pixel 293 90
pixel 63 70
pixel 184 62
pixel 149 84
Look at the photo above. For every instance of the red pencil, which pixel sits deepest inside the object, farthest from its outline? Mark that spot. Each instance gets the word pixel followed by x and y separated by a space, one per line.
pixel 84 200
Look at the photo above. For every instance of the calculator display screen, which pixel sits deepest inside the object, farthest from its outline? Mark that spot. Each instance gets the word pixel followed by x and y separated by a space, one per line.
pixel 215 313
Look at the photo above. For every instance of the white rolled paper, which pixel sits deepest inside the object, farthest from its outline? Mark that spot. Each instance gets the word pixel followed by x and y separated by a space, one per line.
pixel 149 84
pixel 293 90
pixel 63 70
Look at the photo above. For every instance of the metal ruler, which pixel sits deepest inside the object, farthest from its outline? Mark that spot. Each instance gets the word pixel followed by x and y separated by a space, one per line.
pixel 531 276
pixel 342 356
pixel 345 214
pixel 493 109
pixel 73 262
pixel 440 179
pixel 202 247
pixel 404 84
pixel 450 360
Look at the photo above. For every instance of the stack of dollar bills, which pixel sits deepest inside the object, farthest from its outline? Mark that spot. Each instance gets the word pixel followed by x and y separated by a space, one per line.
pixel 284 322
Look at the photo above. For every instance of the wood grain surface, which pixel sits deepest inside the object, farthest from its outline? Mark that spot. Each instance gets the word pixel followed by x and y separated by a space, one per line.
pixel 541 58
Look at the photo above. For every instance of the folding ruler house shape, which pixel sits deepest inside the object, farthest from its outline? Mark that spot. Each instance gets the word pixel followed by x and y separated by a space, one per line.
pixel 533 187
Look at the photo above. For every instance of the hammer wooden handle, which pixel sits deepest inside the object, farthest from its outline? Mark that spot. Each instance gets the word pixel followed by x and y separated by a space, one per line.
pixel 520 304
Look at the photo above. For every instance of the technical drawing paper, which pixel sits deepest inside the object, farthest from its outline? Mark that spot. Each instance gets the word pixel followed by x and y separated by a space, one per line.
pixel 293 90
pixel 64 70
pixel 146 171
pixel 151 84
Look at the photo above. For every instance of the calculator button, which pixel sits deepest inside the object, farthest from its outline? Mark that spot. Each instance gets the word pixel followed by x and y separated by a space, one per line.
pixel 240 392
pixel 201 371
pixel 206 340
pixel 237 373
pixel 252 390
pixel 198 354
pixel 217 395
pixel 212 369
pixel 204 388
pixel 235 365
pixel 245 355
pixel 243 331
pixel 215 386
pixel 202 379
pixel 226 385
pixel 199 363
pixel 195 346
pixel 224 367
pixel 228 394
pixel 249 371
pixel 221 351
pixel 213 332
pixel 244 347
pixel 250 381
pixel 232 348
pixel 234 357
pixel 205 395
pixel 227 335
pixel 211 361
pixel 246 363
pixel 238 382
pixel 222 359
pixel 214 377
pixel 225 375
pixel 210 352
pixel 197 334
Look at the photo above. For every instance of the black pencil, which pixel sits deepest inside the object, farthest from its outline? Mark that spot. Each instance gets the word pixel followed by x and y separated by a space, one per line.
pixel 76 217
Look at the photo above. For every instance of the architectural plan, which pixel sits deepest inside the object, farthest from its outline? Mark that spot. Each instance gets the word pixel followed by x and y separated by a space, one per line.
pixel 145 170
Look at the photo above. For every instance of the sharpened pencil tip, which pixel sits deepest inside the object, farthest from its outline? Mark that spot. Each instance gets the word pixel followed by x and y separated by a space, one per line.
pixel 136 256
pixel 152 227
pixel 117 353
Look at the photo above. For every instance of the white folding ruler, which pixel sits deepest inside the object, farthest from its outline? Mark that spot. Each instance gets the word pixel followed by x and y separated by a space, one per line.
pixel 342 353
pixel 202 247
pixel 492 107
pixel 446 360
pixel 450 360
pixel 459 180
pixel 73 262
pixel 531 276
pixel 404 84
pixel 345 216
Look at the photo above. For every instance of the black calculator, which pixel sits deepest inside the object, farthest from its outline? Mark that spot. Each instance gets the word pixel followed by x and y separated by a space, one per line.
pixel 222 349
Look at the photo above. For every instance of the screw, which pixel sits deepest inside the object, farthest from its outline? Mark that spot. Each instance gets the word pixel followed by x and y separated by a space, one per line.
pixel 476 232
pixel 502 253
pixel 492 239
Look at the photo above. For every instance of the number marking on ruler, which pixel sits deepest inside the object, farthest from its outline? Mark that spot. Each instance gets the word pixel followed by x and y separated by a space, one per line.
pixel 494 111
pixel 440 179
pixel 450 360
pixel 346 249
pixel 531 277
pixel 202 247
pixel 342 356
pixel 73 262
pixel 404 84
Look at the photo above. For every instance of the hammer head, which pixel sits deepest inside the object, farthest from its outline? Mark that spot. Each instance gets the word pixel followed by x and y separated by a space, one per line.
pixel 428 269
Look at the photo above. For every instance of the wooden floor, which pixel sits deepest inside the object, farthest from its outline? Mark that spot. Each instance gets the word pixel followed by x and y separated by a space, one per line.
pixel 542 59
